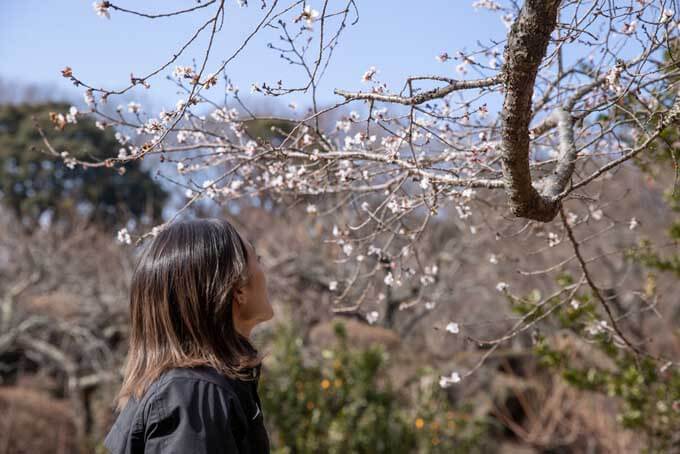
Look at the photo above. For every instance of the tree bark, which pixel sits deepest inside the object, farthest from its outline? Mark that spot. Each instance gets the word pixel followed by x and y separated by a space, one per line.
pixel 525 49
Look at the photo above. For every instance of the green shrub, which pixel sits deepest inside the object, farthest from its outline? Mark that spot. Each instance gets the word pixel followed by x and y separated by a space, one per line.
pixel 343 402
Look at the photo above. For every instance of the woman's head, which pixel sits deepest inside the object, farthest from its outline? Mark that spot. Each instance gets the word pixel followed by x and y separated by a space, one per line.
pixel 197 291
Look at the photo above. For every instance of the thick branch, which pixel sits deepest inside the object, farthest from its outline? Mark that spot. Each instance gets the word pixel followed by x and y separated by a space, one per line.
pixel 525 49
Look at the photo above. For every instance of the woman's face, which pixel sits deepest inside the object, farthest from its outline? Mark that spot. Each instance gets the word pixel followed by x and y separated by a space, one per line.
pixel 252 301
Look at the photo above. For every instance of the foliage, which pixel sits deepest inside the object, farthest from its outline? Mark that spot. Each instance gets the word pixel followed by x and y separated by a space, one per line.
pixel 343 402
pixel 649 393
pixel 33 182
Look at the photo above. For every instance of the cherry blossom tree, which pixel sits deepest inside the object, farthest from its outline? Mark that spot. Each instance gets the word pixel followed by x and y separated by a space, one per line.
pixel 381 164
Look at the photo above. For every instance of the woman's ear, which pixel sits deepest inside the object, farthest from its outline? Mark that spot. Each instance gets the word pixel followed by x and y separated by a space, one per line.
pixel 239 295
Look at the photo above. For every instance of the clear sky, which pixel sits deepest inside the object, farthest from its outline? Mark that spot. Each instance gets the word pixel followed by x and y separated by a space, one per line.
pixel 399 37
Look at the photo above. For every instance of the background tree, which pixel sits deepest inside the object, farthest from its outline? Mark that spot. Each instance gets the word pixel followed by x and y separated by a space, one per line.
pixel 35 183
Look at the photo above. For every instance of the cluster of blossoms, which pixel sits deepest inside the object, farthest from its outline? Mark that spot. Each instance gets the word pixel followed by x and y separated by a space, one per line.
pixel 486 4
pixel 430 275
pixel 102 9
pixel 224 115
pixel 60 120
pixel 614 79
pixel 369 75
pixel 447 380
pixel 553 239
pixel 597 327
pixel 123 236
pixel 372 317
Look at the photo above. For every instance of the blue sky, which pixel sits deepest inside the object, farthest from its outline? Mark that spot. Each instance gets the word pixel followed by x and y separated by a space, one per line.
pixel 401 38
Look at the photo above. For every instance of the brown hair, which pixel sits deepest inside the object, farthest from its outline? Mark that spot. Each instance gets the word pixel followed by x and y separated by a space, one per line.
pixel 181 305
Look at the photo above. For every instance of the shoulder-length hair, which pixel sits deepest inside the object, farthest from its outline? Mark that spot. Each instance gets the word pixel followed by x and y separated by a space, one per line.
pixel 181 305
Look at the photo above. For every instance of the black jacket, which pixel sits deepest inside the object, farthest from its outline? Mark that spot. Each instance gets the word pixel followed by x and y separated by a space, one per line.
pixel 192 411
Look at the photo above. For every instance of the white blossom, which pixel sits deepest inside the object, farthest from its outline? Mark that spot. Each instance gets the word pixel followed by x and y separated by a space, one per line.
pixel 182 71
pixel 311 209
pixel 134 107
pixel 333 285
pixel 102 9
pixel 597 327
pixel 123 236
pixel 122 139
pixel 464 211
pixel 372 317
pixel 426 280
pixel 613 78
pixel 442 57
pixel 236 184
pixel 502 286
pixel 453 328
pixel 596 213
pixel 447 380
pixel 571 218
pixel 632 225
pixel 347 248
pixel 309 15
pixel 182 136
pixel 368 75
pixel 667 15
pixel 486 4
pixel 152 126
pixel 89 97
pixel 220 115
pixel 389 279
pixel 629 27
pixel 71 116
pixel 429 270
pixel 373 250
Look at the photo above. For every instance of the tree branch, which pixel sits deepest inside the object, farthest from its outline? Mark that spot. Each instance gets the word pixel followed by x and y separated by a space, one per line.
pixel 420 98
pixel 527 44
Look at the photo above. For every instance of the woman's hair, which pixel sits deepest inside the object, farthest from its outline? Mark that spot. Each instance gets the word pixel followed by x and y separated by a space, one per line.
pixel 181 305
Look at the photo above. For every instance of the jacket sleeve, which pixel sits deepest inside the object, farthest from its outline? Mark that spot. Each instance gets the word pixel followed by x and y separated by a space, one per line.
pixel 190 416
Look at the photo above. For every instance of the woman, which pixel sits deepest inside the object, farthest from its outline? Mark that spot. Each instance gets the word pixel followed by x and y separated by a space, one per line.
pixel 190 381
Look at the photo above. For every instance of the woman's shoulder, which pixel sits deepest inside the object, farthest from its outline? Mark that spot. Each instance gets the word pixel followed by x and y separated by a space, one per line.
pixel 178 403
pixel 193 390
pixel 200 376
